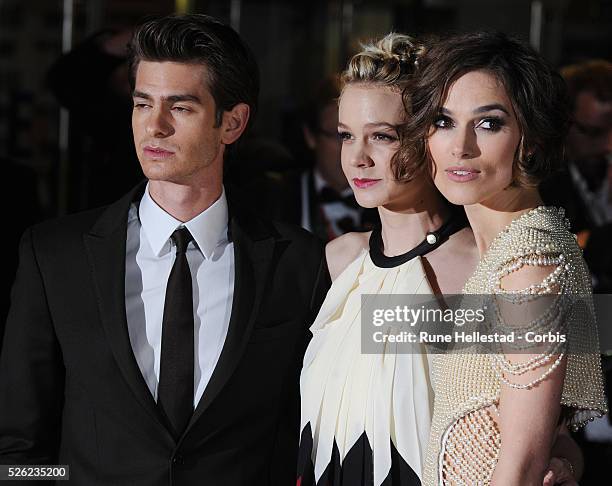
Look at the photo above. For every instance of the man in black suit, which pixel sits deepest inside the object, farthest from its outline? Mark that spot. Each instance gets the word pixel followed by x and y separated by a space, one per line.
pixel 107 365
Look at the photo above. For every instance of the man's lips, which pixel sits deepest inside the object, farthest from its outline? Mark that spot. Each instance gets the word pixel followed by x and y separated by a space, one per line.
pixel 365 183
pixel 157 152
pixel 462 174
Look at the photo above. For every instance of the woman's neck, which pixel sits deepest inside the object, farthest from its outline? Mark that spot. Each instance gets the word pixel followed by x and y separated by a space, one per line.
pixel 402 230
pixel 488 220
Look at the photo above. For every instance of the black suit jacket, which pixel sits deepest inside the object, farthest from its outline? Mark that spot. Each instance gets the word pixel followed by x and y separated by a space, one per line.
pixel 71 391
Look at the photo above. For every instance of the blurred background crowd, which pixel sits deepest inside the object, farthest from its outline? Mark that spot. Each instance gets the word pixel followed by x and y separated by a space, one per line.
pixel 65 108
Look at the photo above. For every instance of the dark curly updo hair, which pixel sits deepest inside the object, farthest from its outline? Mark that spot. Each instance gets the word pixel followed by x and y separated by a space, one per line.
pixel 536 91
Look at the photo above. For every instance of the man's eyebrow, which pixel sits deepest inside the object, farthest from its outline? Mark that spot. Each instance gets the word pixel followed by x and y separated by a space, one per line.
pixel 171 98
pixel 140 94
pixel 480 109
pixel 182 97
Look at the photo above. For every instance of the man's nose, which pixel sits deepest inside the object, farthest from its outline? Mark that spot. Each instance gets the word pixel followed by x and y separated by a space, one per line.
pixel 158 125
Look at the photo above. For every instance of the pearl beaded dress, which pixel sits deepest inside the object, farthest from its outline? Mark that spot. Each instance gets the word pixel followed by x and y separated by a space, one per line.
pixel 465 440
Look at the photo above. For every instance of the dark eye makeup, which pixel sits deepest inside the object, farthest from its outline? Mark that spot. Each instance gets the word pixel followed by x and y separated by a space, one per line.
pixel 489 123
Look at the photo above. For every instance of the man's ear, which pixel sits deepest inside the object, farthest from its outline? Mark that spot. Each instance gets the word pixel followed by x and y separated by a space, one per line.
pixel 234 123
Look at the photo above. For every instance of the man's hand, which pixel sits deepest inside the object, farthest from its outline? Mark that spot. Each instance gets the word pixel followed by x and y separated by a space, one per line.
pixel 559 473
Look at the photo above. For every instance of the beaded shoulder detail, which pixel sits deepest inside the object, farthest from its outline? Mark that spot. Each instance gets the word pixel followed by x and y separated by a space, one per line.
pixel 541 237
pixel 538 237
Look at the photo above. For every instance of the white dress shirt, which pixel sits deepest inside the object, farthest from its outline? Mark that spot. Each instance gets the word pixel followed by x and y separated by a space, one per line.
pixel 150 254
pixel 597 203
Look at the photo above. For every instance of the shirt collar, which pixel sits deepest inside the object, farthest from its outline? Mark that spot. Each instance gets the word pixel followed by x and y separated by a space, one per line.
pixel 209 228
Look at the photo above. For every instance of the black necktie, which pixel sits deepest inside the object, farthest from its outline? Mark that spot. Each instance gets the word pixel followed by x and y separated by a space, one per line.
pixel 175 391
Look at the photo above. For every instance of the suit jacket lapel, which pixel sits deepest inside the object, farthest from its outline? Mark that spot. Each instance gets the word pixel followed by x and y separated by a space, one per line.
pixel 106 245
pixel 253 249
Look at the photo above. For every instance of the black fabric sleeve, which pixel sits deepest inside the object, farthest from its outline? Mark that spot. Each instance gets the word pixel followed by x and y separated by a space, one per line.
pixel 322 285
pixel 284 465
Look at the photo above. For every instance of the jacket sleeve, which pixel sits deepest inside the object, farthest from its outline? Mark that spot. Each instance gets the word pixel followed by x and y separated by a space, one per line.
pixel 284 458
pixel 321 286
pixel 31 370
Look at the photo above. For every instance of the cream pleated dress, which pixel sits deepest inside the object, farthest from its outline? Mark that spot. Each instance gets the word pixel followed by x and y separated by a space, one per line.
pixel 365 418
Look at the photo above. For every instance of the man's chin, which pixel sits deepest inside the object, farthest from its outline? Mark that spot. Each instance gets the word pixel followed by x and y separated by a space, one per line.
pixel 155 171
pixel 164 176
pixel 177 181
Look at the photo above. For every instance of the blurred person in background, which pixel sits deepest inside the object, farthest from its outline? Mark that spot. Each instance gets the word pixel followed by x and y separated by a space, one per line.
pixel 584 189
pixel 91 82
pixel 589 141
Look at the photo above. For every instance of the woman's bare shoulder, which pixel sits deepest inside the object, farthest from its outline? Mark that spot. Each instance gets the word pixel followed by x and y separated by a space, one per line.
pixel 343 250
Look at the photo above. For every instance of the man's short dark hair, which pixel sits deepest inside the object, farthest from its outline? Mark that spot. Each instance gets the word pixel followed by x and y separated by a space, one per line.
pixel 233 75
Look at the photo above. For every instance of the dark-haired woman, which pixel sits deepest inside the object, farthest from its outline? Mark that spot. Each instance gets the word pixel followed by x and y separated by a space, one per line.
pixel 488 117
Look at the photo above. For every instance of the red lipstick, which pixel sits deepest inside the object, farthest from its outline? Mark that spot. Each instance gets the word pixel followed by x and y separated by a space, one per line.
pixel 365 183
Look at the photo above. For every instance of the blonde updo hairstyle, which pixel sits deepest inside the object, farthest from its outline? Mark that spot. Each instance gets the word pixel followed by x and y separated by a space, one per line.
pixel 391 63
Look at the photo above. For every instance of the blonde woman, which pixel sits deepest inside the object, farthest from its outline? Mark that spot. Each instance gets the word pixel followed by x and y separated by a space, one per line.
pixel 366 417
